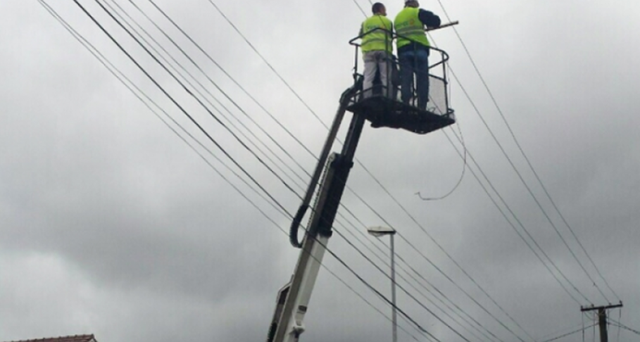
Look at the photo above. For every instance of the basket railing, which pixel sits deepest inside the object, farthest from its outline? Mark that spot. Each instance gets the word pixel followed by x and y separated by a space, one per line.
pixel 437 70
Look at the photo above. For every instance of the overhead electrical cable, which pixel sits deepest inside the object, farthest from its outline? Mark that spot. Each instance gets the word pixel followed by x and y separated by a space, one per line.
pixel 441 271
pixel 267 62
pixel 504 202
pixel 235 104
pixel 569 334
pixel 618 324
pixel 563 331
pixel 188 82
pixel 519 223
pixel 421 293
pixel 359 7
pixel 544 188
pixel 347 230
pixel 188 91
pixel 147 101
pixel 153 80
pixel 539 205
pixel 523 181
pixel 208 56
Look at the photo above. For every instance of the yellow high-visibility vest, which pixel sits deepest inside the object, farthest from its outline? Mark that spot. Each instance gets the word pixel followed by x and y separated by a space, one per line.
pixel 409 28
pixel 377 40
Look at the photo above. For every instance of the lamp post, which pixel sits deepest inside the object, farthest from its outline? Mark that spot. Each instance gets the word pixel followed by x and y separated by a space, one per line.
pixel 378 232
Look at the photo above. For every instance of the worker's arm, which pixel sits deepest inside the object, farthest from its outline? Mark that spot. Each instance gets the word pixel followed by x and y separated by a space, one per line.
pixel 428 18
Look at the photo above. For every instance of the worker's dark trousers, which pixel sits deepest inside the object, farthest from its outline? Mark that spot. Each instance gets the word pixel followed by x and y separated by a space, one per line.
pixel 415 62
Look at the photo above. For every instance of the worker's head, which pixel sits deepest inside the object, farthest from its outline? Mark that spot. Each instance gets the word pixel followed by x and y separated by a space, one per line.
pixel 379 8
pixel 411 3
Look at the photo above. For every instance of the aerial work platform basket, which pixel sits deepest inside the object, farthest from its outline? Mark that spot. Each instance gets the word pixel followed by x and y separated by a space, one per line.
pixel 383 105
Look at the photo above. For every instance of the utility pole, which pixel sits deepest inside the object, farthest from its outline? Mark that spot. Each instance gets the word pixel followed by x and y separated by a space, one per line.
pixel 602 318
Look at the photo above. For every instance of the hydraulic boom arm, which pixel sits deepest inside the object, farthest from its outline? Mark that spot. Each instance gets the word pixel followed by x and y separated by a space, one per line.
pixel 293 299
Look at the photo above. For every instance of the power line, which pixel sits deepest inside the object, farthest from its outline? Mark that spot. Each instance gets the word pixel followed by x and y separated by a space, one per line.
pixel 522 180
pixel 359 7
pixel 267 157
pixel 235 104
pixel 267 62
pixel 171 98
pixel 512 213
pixel 138 93
pixel 531 192
pixel 188 92
pixel 495 102
pixel 569 334
pixel 208 56
pixel 523 228
pixel 620 325
pixel 562 331
pixel 438 268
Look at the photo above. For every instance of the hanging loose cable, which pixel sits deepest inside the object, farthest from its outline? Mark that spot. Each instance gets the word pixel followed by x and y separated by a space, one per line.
pixel 464 169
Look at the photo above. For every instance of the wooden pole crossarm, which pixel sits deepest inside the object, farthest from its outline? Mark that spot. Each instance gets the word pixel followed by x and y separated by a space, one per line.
pixel 608 307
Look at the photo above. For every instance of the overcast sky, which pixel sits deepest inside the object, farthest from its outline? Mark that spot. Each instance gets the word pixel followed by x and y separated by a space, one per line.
pixel 110 224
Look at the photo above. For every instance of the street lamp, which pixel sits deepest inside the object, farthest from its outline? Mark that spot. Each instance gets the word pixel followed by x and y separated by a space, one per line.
pixel 378 232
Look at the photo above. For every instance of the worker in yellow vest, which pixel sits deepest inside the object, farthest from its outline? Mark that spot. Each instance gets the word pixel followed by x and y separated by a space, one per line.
pixel 377 49
pixel 413 50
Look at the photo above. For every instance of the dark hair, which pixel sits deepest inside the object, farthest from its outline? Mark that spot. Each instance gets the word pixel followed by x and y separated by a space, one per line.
pixel 377 7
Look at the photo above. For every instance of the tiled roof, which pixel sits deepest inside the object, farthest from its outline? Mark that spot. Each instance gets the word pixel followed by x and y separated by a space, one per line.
pixel 77 338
